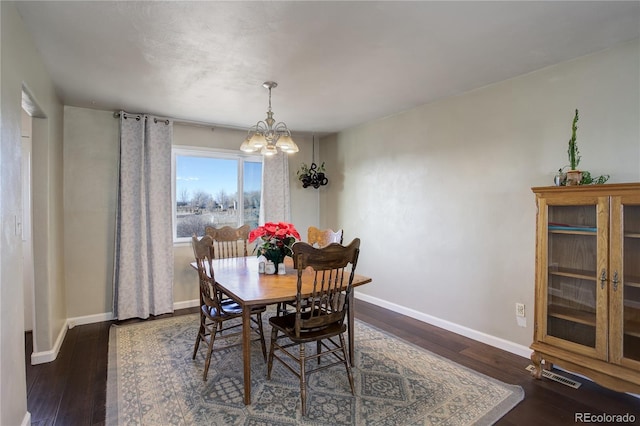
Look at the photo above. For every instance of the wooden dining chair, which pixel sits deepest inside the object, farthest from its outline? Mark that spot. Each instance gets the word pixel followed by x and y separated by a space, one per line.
pixel 323 237
pixel 319 316
pixel 217 314
pixel 228 241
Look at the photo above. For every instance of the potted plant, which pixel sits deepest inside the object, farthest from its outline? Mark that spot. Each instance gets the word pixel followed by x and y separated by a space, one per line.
pixel 574 176
pixel 312 175
pixel 276 240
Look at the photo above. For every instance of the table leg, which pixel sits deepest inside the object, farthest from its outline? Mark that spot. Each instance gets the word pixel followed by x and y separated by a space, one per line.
pixel 246 352
pixel 350 328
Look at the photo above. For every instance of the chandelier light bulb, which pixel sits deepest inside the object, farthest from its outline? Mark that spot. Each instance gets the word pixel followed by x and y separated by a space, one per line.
pixel 269 150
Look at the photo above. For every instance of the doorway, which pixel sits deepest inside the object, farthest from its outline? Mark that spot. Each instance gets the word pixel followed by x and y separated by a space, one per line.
pixel 27 241
pixel 30 111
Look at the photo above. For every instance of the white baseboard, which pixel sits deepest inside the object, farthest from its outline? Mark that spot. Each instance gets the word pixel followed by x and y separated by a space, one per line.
pixel 89 319
pixel 51 355
pixel 186 304
pixel 26 421
pixel 494 341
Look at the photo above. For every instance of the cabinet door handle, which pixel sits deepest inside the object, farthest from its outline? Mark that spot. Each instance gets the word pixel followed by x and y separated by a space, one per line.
pixel 615 281
pixel 603 278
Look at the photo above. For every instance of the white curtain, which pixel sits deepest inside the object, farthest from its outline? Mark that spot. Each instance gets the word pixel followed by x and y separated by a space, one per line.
pixel 143 269
pixel 275 203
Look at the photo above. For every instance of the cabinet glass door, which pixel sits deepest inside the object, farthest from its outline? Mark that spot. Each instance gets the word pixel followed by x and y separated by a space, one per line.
pixel 627 281
pixel 573 275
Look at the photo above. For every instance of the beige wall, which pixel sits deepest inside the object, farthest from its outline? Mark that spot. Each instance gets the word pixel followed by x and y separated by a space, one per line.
pixel 21 65
pixel 440 195
pixel 90 191
pixel 90 184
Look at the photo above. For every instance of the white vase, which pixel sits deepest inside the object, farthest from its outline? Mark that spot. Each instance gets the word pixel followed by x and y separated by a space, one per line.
pixel 269 268
pixel 262 261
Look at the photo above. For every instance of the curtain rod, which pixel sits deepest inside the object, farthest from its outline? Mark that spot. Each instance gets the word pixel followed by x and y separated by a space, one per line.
pixel 116 114
pixel 138 116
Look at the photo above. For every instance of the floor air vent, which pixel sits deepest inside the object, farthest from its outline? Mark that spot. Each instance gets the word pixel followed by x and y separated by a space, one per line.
pixel 557 378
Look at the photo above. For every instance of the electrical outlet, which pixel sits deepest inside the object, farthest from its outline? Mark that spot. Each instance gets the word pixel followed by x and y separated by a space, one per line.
pixel 520 309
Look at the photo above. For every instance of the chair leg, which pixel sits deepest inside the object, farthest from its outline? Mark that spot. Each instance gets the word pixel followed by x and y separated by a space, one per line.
pixel 261 331
pixel 274 336
pixel 303 382
pixel 212 338
pixel 197 345
pixel 347 364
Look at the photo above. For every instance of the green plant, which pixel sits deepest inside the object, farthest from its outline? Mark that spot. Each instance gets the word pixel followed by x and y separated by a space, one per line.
pixel 587 179
pixel 574 161
pixel 573 152
pixel 302 171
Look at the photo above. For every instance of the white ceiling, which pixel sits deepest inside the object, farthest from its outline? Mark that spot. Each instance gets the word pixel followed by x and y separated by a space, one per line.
pixel 338 64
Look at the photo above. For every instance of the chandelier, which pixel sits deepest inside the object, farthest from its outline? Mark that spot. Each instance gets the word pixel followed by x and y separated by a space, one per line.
pixel 267 137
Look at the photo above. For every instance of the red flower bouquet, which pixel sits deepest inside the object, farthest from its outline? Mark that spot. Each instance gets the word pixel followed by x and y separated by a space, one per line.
pixel 277 239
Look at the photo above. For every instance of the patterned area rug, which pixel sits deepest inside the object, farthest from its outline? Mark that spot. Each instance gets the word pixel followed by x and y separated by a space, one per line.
pixel 152 380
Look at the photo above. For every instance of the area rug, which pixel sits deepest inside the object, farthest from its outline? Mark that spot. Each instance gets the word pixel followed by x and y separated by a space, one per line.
pixel 152 380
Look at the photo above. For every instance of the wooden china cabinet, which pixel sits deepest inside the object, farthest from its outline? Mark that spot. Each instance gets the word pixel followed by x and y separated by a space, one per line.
pixel 587 296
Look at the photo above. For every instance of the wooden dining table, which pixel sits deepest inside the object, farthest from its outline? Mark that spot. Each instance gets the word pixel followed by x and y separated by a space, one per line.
pixel 238 277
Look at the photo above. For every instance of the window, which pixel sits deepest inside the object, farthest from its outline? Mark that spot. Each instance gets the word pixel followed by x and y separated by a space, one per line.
pixel 206 188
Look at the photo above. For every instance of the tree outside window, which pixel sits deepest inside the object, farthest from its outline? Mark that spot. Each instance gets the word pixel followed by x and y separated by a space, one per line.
pixel 207 184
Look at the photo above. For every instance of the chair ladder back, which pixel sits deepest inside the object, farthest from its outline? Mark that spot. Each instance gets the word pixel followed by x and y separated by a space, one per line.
pixel 327 286
pixel 228 241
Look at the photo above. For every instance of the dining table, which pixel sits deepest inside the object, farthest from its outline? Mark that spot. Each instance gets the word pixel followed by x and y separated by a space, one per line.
pixel 238 277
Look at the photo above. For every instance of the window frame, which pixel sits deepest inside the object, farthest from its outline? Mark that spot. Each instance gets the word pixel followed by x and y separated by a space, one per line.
pixel 213 153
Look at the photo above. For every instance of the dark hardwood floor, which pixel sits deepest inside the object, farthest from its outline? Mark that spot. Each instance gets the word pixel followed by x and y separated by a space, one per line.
pixel 72 389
